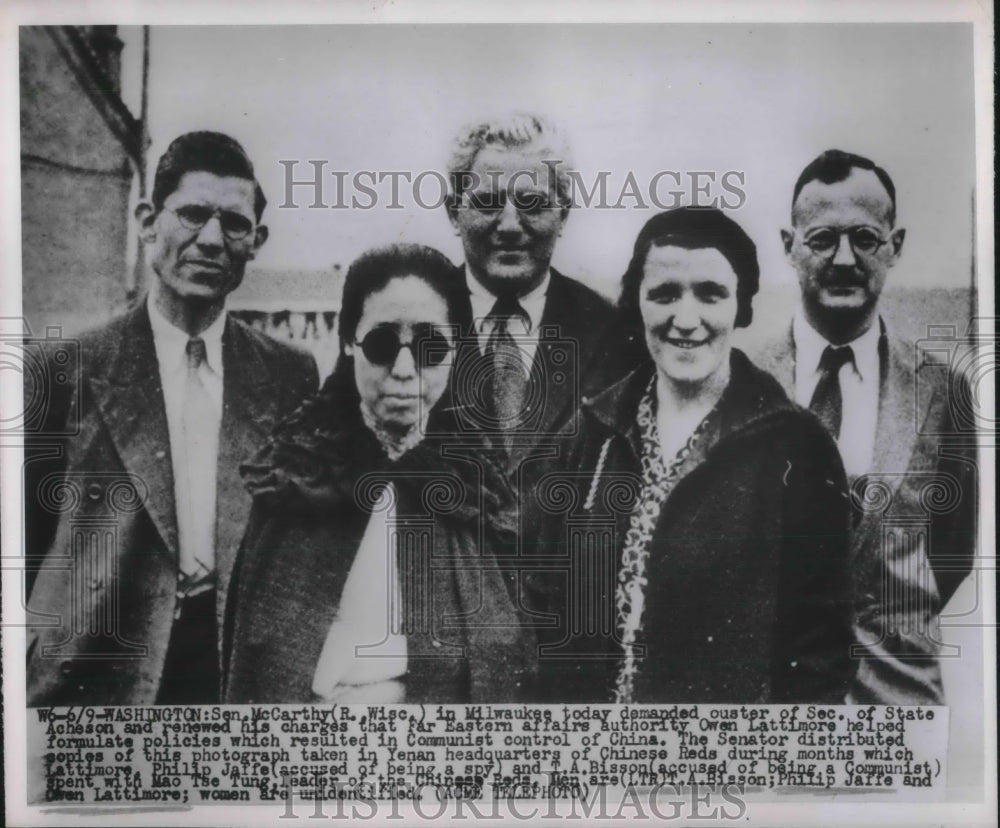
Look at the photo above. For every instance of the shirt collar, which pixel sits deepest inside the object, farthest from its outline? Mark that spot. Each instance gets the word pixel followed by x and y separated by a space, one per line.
pixel 171 342
pixel 809 347
pixel 533 301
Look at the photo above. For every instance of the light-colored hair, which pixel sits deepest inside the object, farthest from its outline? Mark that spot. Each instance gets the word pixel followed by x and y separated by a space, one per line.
pixel 518 130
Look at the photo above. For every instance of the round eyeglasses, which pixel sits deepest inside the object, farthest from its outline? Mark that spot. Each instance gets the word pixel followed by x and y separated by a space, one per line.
pixel 195 216
pixel 527 203
pixel 863 240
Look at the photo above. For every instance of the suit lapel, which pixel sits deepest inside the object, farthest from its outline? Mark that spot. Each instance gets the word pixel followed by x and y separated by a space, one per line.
pixel 558 400
pixel 130 399
pixel 463 304
pixel 247 418
pixel 547 363
pixel 897 426
pixel 896 431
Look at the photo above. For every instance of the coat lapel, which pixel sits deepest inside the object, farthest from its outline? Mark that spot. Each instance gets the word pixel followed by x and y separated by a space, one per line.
pixel 248 416
pixel 548 359
pixel 130 399
pixel 896 432
pixel 552 360
pixel 463 303
pixel 897 424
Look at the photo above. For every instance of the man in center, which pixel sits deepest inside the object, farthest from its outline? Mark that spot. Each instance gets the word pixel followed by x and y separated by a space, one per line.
pixel 536 341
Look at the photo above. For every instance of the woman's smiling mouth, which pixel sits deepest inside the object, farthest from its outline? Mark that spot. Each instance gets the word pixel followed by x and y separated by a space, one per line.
pixel 686 344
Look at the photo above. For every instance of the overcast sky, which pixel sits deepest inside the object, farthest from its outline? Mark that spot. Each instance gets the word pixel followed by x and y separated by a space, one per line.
pixel 757 100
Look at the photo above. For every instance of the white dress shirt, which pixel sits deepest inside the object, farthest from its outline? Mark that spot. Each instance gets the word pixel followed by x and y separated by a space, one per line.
pixel 525 332
pixel 195 472
pixel 364 652
pixel 859 389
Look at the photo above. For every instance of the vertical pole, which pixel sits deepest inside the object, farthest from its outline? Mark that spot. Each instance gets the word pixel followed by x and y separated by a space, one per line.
pixel 138 270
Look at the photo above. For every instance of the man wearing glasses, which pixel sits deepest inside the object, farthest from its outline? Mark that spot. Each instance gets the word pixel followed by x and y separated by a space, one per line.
pixel 172 397
pixel 893 419
pixel 536 341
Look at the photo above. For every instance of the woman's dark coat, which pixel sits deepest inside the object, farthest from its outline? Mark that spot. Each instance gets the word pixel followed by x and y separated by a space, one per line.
pixel 748 597
pixel 313 489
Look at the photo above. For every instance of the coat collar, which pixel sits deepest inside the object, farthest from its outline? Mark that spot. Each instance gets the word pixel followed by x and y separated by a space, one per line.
pixel 556 291
pixel 751 397
pixel 900 413
pixel 135 353
pixel 171 342
pixel 532 303
pixel 562 311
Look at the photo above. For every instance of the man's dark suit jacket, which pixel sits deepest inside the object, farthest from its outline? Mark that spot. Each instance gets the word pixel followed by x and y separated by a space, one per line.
pixel 915 515
pixel 582 350
pixel 101 507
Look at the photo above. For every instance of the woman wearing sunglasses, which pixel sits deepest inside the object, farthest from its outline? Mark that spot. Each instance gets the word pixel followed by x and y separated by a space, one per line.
pixel 728 577
pixel 367 570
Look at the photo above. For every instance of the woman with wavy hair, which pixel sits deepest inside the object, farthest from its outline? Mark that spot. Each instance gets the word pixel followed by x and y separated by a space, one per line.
pixel 367 572
pixel 727 578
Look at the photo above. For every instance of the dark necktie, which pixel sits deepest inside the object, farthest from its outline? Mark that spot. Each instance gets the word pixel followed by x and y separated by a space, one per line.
pixel 827 402
pixel 508 378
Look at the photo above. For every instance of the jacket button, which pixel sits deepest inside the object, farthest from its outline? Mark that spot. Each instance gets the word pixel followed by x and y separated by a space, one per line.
pixel 160 455
pixel 66 668
pixel 436 644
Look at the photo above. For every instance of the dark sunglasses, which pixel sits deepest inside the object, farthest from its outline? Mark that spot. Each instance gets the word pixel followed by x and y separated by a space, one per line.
pixel 429 347
pixel 195 216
